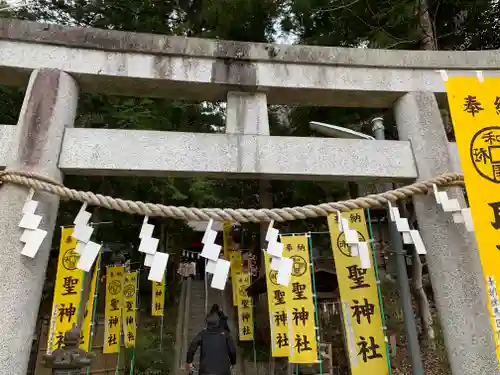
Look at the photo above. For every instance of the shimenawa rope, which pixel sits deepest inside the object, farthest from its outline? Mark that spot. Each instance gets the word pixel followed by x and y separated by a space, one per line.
pixel 242 215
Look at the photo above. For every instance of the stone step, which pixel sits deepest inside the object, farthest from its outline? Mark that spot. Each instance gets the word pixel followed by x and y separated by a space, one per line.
pixel 197 314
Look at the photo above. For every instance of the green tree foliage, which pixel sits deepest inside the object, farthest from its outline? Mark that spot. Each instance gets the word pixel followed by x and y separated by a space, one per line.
pixel 458 24
pixel 391 24
pixel 245 20
pixel 241 20
pixel 10 104
pixel 238 20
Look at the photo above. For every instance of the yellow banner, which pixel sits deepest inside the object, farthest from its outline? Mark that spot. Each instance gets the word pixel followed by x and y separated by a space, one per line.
pixel 88 317
pixel 113 308
pixel 475 111
pixel 67 291
pixel 158 298
pixel 301 312
pixel 227 240
pixel 129 309
pixel 245 307
pixel 236 268
pixel 360 304
pixel 278 312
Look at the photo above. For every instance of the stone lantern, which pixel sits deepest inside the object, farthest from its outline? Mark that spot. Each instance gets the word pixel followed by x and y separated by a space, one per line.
pixel 69 359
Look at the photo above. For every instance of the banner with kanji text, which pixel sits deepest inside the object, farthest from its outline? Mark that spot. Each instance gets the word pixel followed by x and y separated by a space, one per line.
pixel 475 113
pixel 129 309
pixel 278 312
pixel 300 303
pixel 67 291
pixel 88 317
pixel 363 327
pixel 113 308
pixel 245 307
pixel 158 298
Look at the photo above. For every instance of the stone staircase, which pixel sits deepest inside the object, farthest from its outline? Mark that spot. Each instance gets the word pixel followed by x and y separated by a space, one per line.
pixel 197 303
pixel 196 321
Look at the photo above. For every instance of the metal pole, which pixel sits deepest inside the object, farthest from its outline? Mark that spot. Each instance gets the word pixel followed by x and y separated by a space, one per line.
pixel 315 299
pixel 162 316
pixel 137 305
pixel 379 292
pixel 410 327
pixel 404 287
pixel 378 128
pixel 205 281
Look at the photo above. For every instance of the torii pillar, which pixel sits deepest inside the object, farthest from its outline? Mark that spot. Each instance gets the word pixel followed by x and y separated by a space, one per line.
pixel 48 108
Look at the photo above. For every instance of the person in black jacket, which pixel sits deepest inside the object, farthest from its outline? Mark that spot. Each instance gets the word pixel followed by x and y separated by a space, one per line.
pixel 217 350
pixel 222 317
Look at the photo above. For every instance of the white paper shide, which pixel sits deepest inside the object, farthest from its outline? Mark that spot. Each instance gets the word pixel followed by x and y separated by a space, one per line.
pixel 215 265
pixel 358 248
pixel 32 236
pixel 82 232
pixel 278 262
pixel 460 215
pixel 410 236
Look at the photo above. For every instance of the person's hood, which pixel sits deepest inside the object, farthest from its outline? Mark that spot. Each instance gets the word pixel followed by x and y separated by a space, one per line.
pixel 213 323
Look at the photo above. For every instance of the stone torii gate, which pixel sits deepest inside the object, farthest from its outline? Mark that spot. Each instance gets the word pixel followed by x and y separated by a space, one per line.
pixel 58 63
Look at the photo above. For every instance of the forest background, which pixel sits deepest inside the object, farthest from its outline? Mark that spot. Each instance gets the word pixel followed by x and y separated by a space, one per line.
pixel 384 24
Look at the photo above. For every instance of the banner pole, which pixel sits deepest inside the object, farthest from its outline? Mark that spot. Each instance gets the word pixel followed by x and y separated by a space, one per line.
pixel 132 361
pixel 79 318
pixel 117 367
pixel 205 281
pixel 163 312
pixel 84 294
pixel 315 297
pixel 253 340
pixel 94 309
pixel 380 300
